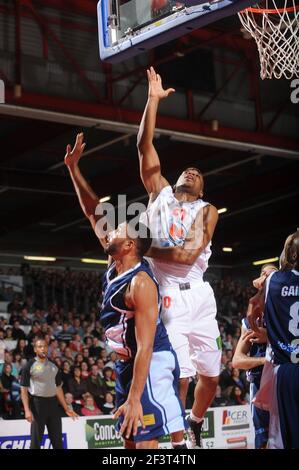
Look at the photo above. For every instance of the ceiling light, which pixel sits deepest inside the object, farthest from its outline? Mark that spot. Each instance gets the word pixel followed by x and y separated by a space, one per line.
pixel 105 199
pixel 222 210
pixel 94 261
pixel 227 249
pixel 265 261
pixel 39 258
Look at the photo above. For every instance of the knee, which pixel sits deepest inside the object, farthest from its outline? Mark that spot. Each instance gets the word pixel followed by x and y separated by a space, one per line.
pixel 211 382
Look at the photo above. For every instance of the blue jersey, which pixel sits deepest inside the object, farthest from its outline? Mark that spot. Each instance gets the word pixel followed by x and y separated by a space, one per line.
pixel 256 350
pixel 118 321
pixel 282 315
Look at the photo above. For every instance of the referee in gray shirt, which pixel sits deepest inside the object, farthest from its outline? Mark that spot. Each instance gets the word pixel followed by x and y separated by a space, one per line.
pixel 41 391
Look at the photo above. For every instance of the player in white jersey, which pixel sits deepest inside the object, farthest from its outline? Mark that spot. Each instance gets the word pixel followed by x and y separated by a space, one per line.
pixel 182 225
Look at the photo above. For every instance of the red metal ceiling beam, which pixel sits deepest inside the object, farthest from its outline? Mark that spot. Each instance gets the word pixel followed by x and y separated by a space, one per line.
pixel 62 22
pixel 232 39
pixel 51 34
pixel 114 113
pixel 255 91
pixel 221 88
pixel 85 7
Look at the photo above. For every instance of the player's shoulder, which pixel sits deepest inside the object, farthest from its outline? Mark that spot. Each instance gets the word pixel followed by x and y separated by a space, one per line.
pixel 281 275
pixel 142 277
pixel 142 282
pixel 209 210
pixel 288 276
pixel 165 191
pixel 206 205
pixel 277 279
pixel 141 287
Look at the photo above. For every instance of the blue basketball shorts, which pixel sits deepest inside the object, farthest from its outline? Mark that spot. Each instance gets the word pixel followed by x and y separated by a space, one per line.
pixel 162 409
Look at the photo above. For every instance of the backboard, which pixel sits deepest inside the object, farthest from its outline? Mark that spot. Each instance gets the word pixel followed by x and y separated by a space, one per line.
pixel 130 27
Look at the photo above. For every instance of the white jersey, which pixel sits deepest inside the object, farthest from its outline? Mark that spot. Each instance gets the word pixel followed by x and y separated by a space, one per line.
pixel 170 222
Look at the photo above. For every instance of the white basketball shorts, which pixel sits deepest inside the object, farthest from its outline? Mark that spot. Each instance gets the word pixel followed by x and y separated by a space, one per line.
pixel 189 314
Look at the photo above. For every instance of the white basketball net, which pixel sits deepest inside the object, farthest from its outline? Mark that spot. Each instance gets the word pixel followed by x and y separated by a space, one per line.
pixel 275 30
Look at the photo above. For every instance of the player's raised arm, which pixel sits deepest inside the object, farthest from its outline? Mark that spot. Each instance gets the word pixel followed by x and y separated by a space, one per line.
pixel 89 201
pixel 150 168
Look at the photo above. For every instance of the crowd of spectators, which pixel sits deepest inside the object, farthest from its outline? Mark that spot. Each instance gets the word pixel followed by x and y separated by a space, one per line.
pixel 63 306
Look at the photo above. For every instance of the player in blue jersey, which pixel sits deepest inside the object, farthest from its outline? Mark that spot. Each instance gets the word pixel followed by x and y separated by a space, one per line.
pixel 282 320
pixel 147 372
pixel 147 375
pixel 250 356
pixel 281 309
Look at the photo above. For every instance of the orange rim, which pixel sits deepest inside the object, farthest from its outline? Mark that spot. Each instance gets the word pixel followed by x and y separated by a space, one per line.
pixel 270 11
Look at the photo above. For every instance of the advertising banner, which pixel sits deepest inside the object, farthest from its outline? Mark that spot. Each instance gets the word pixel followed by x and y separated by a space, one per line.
pixel 224 428
pixel 16 282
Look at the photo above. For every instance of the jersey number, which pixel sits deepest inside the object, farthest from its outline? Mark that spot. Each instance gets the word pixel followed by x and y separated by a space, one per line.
pixel 167 301
pixel 294 329
pixel 294 322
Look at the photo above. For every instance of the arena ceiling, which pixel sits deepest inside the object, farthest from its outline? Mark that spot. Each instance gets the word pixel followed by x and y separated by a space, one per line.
pixel 242 132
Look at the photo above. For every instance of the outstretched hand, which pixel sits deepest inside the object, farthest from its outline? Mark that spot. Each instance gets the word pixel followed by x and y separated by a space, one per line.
pixel 133 416
pixel 155 87
pixel 74 154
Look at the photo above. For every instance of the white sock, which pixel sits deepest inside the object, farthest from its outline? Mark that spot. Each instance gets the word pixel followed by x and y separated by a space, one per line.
pixel 195 418
pixel 181 443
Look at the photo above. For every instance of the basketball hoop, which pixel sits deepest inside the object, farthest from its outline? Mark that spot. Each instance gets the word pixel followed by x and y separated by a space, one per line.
pixel 275 30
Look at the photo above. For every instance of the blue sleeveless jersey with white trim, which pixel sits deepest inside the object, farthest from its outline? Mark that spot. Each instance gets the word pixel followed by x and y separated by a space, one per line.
pixel 118 321
pixel 282 315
